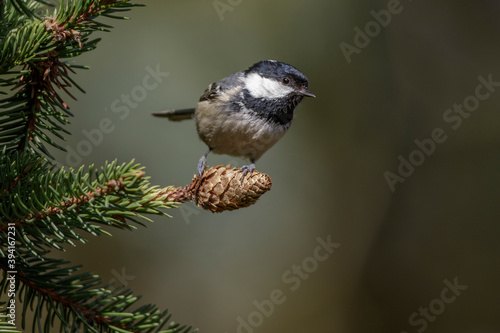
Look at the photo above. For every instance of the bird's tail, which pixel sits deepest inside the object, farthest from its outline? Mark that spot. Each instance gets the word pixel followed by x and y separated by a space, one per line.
pixel 175 115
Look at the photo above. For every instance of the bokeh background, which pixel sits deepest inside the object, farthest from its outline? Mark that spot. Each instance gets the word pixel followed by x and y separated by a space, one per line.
pixel 397 248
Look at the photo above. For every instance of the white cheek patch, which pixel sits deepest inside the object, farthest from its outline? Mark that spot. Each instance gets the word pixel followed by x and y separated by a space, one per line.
pixel 259 87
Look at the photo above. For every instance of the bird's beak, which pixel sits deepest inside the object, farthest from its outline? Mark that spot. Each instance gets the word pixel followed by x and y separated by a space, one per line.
pixel 306 92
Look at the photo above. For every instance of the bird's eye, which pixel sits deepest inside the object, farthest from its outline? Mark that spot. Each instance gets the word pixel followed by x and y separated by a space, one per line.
pixel 285 80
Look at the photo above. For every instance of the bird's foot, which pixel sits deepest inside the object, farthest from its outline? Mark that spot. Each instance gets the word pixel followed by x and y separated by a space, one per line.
pixel 202 162
pixel 247 169
pixel 201 165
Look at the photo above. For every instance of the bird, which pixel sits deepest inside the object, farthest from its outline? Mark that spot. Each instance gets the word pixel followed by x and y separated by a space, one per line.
pixel 246 113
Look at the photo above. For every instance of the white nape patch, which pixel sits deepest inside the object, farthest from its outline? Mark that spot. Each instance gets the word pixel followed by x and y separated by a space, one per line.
pixel 259 87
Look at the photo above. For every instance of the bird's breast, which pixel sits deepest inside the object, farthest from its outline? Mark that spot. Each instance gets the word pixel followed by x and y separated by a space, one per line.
pixel 237 133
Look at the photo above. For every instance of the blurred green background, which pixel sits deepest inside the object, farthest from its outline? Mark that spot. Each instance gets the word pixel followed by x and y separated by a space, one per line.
pixel 397 248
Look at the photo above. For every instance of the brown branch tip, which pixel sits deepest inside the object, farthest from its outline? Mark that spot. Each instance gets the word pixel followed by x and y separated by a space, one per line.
pixel 222 188
pixel 60 32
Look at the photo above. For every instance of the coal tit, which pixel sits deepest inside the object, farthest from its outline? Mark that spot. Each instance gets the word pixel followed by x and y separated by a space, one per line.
pixel 246 113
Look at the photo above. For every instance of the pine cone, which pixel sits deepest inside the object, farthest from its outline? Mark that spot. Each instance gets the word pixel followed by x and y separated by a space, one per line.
pixel 222 188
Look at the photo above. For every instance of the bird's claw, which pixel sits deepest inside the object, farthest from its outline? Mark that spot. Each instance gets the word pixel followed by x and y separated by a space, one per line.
pixel 247 169
pixel 202 162
pixel 201 166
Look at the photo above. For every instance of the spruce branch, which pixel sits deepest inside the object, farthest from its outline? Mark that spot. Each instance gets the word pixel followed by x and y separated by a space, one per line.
pixel 5 326
pixel 51 289
pixel 26 8
pixel 48 287
pixel 48 208
pixel 42 208
pixel 79 300
pixel 38 45
pixel 53 208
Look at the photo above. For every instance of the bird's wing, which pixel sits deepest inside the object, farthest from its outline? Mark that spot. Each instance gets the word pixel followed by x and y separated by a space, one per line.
pixel 216 89
pixel 213 91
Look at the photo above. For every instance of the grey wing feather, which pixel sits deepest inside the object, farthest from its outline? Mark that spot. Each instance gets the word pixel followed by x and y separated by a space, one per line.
pixel 175 115
pixel 211 92
pixel 215 89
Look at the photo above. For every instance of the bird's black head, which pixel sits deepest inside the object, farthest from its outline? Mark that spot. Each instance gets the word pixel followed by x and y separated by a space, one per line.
pixel 273 79
pixel 273 89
